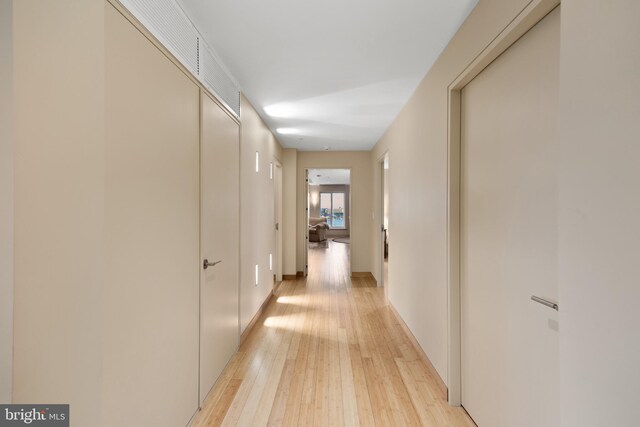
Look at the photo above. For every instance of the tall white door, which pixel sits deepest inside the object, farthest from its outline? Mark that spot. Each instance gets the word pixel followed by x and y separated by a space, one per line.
pixel 509 233
pixel 220 233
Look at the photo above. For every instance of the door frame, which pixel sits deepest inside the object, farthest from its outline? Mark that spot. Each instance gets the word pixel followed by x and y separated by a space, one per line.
pixel 203 94
pixel 307 206
pixel 380 161
pixel 305 270
pixel 526 19
pixel 277 183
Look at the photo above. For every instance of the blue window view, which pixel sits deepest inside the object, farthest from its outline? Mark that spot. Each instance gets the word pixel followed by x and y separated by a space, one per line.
pixel 332 208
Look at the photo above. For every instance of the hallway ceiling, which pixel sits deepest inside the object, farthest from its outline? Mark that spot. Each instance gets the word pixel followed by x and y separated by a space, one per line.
pixel 329 176
pixel 332 74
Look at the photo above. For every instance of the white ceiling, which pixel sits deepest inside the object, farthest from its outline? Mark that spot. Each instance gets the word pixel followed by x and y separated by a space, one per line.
pixel 329 176
pixel 336 72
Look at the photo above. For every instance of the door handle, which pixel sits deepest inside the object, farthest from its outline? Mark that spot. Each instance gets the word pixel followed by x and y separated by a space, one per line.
pixel 543 301
pixel 206 264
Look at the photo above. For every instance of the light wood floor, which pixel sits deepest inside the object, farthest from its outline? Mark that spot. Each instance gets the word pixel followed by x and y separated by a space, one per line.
pixel 328 351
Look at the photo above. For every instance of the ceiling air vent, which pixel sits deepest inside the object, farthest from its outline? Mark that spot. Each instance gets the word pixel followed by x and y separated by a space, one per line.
pixel 217 80
pixel 168 23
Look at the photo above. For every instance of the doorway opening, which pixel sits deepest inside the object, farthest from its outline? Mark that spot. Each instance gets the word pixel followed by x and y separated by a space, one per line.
pixel 329 219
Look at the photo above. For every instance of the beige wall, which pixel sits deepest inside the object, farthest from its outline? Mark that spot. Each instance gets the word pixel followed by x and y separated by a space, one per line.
pixel 289 207
pixel 257 233
pixel 6 199
pixel 151 232
pixel 361 201
pixel 599 203
pixel 59 129
pixel 417 146
pixel 61 255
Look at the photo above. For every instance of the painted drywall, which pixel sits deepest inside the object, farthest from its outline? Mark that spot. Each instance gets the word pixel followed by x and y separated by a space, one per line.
pixel 59 136
pixel 598 217
pixel 6 199
pixel 257 201
pixel 314 206
pixel 151 213
pixel 289 181
pixel 361 201
pixel 417 147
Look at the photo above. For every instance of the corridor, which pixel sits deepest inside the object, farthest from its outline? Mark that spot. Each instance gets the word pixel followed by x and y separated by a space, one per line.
pixel 328 350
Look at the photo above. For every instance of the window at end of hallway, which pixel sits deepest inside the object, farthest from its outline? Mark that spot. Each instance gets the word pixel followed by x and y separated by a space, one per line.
pixel 332 207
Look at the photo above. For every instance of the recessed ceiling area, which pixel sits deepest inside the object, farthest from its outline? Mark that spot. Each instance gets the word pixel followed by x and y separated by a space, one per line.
pixel 329 176
pixel 330 75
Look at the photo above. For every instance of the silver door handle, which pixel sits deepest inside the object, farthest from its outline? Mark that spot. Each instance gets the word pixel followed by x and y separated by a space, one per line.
pixel 206 263
pixel 543 301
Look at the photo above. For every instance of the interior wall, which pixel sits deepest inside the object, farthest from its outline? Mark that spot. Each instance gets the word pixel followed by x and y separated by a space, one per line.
pixel 152 232
pixel 361 201
pixel 257 223
pixel 314 209
pixel 598 212
pixel 59 86
pixel 6 199
pixel 289 207
pixel 60 206
pixel 417 147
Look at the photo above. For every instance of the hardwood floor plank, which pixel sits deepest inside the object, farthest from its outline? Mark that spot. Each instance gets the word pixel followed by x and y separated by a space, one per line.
pixel 279 406
pixel 222 406
pixel 349 400
pixel 365 411
pixel 377 394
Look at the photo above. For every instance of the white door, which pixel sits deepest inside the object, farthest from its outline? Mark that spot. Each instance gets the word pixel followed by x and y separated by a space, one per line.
pixel 220 233
pixel 509 233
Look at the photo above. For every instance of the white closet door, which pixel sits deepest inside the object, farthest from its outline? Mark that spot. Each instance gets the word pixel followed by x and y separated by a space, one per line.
pixel 152 232
pixel 509 234
pixel 220 225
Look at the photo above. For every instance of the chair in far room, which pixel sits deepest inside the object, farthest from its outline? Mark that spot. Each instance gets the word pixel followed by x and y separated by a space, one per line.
pixel 318 229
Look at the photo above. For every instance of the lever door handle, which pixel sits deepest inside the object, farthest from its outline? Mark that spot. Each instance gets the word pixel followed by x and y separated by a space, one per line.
pixel 543 301
pixel 206 264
